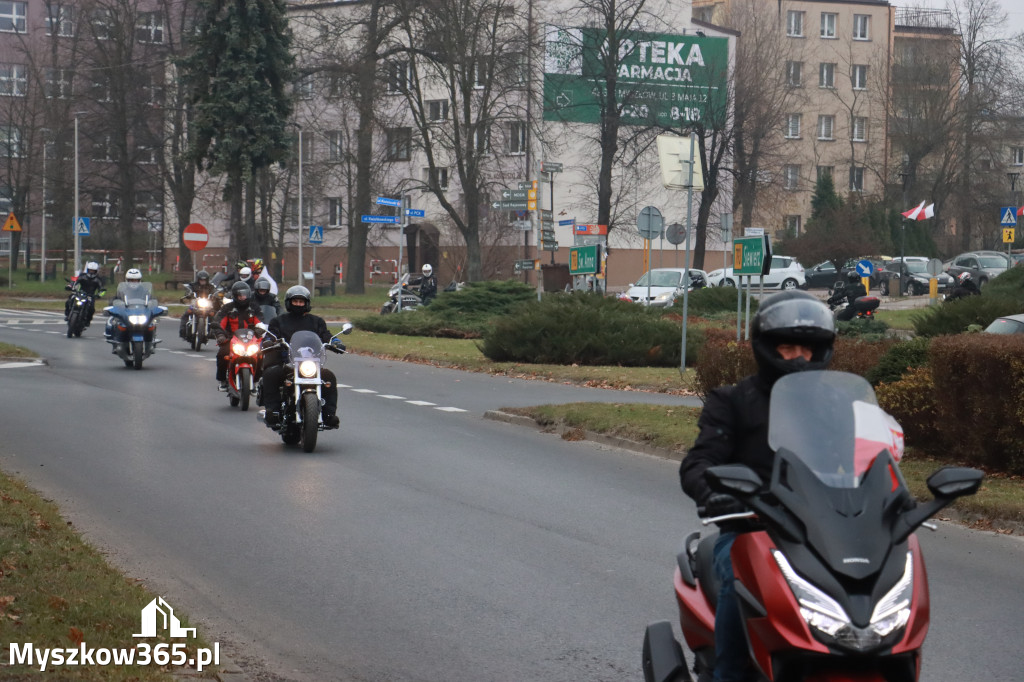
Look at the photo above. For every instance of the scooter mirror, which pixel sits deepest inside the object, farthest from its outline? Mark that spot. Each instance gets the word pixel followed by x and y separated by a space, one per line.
pixel 733 478
pixel 347 328
pixel 955 482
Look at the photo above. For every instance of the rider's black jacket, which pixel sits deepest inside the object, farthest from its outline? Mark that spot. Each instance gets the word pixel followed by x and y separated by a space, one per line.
pixel 283 326
pixel 855 291
pixel 428 287
pixel 88 285
pixel 733 429
pixel 268 300
pixel 964 290
pixel 201 289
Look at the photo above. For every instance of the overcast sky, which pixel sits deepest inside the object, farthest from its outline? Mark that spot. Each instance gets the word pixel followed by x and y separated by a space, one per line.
pixel 1013 8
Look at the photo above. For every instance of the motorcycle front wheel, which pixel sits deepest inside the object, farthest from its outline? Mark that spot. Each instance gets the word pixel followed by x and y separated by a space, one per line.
pixel 244 383
pixel 310 407
pixel 73 323
pixel 138 348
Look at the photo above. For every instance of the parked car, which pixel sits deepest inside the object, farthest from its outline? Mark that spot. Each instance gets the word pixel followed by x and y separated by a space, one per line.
pixel 983 265
pixel 1011 324
pixel 918 278
pixel 785 273
pixel 665 286
pixel 824 274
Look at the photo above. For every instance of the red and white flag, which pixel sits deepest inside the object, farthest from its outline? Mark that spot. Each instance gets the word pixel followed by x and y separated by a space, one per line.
pixel 920 212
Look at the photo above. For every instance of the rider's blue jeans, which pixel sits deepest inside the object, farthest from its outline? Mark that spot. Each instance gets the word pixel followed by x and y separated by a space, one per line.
pixel 731 659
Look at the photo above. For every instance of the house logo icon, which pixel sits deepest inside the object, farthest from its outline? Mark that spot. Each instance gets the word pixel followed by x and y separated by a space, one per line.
pixel 158 614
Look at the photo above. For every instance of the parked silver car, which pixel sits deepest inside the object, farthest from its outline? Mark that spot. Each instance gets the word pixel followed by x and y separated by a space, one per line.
pixel 983 265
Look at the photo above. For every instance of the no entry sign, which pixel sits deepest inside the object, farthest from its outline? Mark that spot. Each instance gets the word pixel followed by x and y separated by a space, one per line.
pixel 195 237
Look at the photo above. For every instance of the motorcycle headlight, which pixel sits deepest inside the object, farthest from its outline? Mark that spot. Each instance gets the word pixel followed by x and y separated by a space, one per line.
pixel 238 348
pixel 893 610
pixel 308 368
pixel 203 303
pixel 137 319
pixel 821 611
pixel 252 349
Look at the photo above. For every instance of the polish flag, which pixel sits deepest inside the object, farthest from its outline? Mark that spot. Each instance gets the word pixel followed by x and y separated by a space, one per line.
pixel 920 212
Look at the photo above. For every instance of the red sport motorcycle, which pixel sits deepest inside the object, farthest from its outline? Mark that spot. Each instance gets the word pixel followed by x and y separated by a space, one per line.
pixel 830 579
pixel 245 366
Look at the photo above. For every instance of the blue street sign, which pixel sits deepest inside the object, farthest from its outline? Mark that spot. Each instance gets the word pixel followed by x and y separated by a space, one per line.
pixel 387 201
pixel 570 221
pixel 414 212
pixel 1009 216
pixel 379 219
pixel 316 234
pixel 82 227
pixel 865 268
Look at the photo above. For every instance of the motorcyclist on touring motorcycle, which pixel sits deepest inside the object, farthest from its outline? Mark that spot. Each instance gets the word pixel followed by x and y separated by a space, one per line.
pixel 965 287
pixel 259 271
pixel 428 285
pixel 853 290
pixel 263 296
pixel 792 332
pixel 240 313
pixel 297 303
pixel 89 283
pixel 200 287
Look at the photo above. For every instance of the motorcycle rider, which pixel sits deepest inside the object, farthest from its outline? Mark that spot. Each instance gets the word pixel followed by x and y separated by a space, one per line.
pixel 428 285
pixel 965 287
pixel 240 313
pixel 792 332
pixel 297 303
pixel 226 280
pixel 854 289
pixel 133 276
pixel 199 288
pixel 259 271
pixel 263 296
pixel 89 283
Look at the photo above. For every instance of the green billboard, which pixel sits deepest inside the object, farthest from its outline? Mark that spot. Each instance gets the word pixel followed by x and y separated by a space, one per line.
pixel 585 260
pixel 663 79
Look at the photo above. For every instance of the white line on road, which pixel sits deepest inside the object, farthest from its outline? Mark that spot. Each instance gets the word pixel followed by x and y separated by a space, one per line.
pixel 422 403
pixel 363 390
pixel 450 409
pixel 392 397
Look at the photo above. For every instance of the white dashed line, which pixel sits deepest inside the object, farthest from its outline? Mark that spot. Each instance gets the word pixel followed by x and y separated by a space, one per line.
pixel 363 390
pixel 392 397
pixel 26 363
pixel 344 386
pixel 450 409
pixel 422 403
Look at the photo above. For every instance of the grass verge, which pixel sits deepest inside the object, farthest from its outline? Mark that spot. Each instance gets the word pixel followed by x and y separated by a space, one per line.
pixel 56 591
pixel 10 352
pixel 999 505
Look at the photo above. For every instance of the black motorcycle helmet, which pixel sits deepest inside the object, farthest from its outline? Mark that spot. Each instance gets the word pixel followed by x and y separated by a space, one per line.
pixel 240 293
pixel 853 276
pixel 263 286
pixel 794 317
pixel 202 277
pixel 295 294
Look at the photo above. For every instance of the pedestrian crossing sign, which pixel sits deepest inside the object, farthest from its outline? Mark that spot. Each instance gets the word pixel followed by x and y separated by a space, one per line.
pixel 12 224
pixel 82 227
pixel 1009 216
pixel 316 234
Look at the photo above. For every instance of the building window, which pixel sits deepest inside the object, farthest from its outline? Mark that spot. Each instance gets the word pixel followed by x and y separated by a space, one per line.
pixel 292 211
pixel 6 199
pixel 101 23
pixel 335 86
pixel 103 149
pixel 793 126
pixel 517 68
pixel 705 14
pixel 12 17
pixel 149 27
pixel 828 24
pixel 794 74
pixel 399 76
pixel 334 214
pixel 859 129
pixel 826 125
pixel 790 177
pixel 856 178
pixel 791 224
pixel 305 88
pixel 13 80
pixel 1017 156
pixel 335 145
pixel 104 204
pixel 480 72
pixel 827 75
pixel 399 141
pixel 60 21
pixel 147 205
pixel 826 171
pixel 517 137
pixel 10 142
pixel 795 24
pixel 482 139
pixel 859 76
pixel 307 148
pixel 147 154
pixel 861 27
pixel 437 110
pixel 436 179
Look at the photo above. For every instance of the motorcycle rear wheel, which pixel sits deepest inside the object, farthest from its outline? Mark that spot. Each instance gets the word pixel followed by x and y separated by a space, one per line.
pixel 138 348
pixel 244 384
pixel 310 407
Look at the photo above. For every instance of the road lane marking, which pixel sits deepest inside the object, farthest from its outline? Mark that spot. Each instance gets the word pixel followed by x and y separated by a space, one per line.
pixel 363 390
pixel 450 409
pixel 422 403
pixel 392 397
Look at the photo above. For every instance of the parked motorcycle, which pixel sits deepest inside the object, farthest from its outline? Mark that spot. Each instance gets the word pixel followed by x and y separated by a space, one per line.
pixel 131 324
pixel 864 307
pixel 302 399
pixel 80 303
pixel 831 581
pixel 245 364
pixel 410 298
pixel 199 315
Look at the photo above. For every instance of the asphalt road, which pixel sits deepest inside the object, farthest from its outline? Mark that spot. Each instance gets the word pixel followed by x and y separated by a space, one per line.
pixel 419 542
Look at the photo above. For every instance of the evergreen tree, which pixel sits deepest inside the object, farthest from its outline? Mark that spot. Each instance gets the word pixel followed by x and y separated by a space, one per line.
pixel 237 72
pixel 825 197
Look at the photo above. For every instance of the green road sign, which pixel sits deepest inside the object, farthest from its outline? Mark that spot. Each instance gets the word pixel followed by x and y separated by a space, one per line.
pixel 661 78
pixel 514 194
pixel 585 260
pixel 550 167
pixel 751 256
pixel 511 205
pixel 547 235
pixel 525 264
pixel 548 246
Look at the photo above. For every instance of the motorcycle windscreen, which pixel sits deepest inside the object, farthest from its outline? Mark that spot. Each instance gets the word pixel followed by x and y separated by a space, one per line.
pixel 136 293
pixel 305 345
pixel 832 422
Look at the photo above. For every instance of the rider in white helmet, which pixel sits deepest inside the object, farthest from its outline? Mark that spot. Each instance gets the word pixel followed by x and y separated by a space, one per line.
pixel 428 285
pixel 90 283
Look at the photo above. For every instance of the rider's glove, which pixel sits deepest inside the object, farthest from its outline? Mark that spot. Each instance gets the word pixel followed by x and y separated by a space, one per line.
pixel 721 505
pixel 337 344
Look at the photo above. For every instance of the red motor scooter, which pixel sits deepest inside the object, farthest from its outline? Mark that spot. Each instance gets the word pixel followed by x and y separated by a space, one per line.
pixel 830 580
pixel 245 366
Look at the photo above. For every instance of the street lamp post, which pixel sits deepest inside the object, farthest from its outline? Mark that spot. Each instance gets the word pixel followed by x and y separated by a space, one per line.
pixel 300 203
pixel 1013 200
pixel 74 226
pixel 905 175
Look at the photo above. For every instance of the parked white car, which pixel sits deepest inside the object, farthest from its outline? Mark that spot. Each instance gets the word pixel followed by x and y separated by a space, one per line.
pixel 666 284
pixel 785 273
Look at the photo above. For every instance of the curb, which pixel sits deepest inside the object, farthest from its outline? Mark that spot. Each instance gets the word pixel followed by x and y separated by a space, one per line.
pixel 603 439
pixel 226 671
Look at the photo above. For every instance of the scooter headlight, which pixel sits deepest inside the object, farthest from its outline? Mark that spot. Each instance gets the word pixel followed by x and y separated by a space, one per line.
pixel 238 348
pixel 821 611
pixel 137 319
pixel 308 368
pixel 893 610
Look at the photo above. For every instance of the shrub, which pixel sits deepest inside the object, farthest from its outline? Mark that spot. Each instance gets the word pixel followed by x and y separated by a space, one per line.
pixel 1010 283
pixel 954 317
pixel 858 356
pixel 464 314
pixel 913 402
pixel 712 301
pixel 863 329
pixel 586 329
pixel 900 357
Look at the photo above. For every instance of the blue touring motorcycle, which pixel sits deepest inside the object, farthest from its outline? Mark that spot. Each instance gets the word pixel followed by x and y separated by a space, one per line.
pixel 131 323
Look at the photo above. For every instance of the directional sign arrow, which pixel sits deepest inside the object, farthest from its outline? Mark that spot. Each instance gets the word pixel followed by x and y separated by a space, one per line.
pixel 510 205
pixel 514 194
